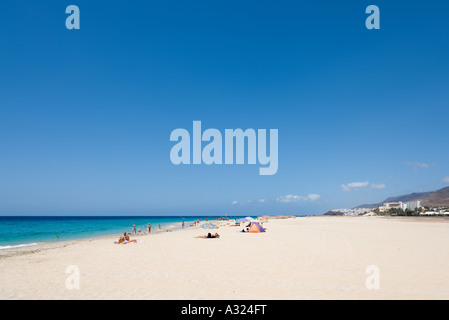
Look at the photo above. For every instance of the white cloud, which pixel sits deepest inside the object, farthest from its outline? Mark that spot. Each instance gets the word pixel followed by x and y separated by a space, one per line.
pixel 290 198
pixel 417 165
pixel 313 196
pixel 354 185
pixel 378 186
pixel 284 199
pixel 358 184
pixel 445 179
pixel 295 198
pixel 261 200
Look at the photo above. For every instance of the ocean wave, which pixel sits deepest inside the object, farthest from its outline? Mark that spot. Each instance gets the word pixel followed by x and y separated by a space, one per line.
pixel 18 246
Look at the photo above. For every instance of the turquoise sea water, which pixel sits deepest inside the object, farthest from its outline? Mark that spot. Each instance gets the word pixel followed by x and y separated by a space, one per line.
pixel 23 231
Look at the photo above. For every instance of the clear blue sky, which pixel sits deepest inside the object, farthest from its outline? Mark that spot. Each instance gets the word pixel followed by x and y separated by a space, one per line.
pixel 86 115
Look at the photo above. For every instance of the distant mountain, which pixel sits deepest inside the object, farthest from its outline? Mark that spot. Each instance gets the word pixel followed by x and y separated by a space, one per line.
pixel 432 198
pixel 437 198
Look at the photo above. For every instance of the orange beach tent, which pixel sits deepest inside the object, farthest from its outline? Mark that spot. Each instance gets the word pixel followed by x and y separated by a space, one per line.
pixel 256 228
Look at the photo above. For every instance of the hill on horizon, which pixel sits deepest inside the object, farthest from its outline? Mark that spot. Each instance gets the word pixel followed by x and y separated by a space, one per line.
pixel 432 198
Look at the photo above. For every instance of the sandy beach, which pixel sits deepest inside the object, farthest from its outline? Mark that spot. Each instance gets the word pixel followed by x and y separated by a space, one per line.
pixel 297 258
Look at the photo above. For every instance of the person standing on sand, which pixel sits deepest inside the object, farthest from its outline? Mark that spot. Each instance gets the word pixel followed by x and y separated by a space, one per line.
pixel 134 229
pixel 183 224
pixel 149 228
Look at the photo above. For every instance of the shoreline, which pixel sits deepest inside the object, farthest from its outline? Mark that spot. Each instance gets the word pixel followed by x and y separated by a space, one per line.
pixel 165 226
pixel 297 258
pixel 45 245
pixel 49 245
pixel 55 243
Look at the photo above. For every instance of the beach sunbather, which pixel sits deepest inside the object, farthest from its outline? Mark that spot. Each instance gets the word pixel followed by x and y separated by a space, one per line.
pixel 122 239
pixel 209 236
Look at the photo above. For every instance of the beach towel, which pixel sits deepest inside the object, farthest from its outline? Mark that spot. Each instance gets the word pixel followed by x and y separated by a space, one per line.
pixel 131 241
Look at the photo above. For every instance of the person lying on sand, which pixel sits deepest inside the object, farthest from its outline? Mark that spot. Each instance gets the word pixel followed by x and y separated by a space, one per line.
pixel 122 239
pixel 209 236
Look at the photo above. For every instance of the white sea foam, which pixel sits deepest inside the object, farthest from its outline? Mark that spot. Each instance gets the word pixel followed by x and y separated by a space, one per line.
pixel 18 246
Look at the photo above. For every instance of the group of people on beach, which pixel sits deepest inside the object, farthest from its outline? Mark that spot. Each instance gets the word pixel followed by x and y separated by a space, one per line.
pixel 124 239
pixel 136 230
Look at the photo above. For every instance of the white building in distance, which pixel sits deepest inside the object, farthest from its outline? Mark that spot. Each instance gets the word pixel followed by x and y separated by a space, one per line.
pixel 411 205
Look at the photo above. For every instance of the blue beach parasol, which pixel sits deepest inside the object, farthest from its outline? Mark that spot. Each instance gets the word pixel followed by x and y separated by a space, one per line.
pixel 208 226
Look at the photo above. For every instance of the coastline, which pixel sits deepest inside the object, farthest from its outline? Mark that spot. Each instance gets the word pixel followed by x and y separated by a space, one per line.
pixel 297 258
pixel 16 232
pixel 49 245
